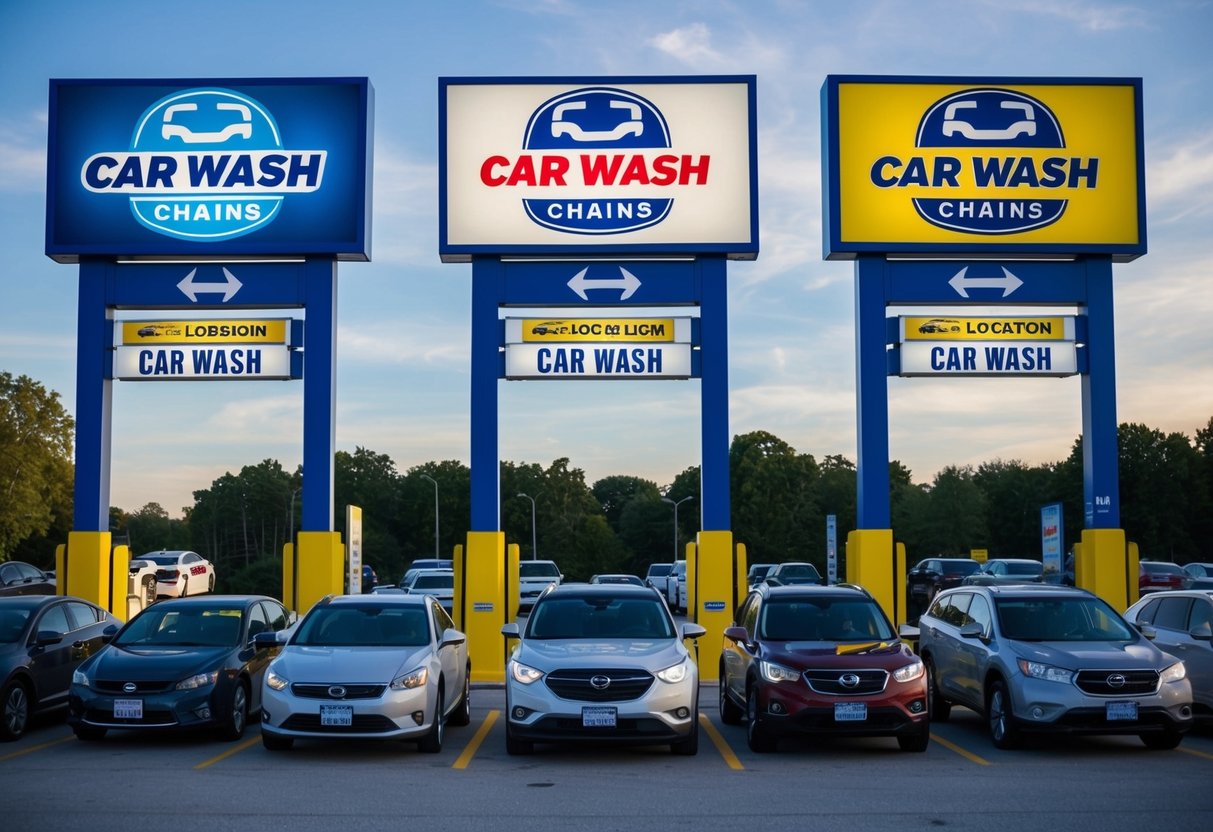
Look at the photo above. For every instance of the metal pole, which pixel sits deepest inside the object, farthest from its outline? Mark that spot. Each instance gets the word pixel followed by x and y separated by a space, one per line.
pixel 676 505
pixel 435 482
pixel 534 545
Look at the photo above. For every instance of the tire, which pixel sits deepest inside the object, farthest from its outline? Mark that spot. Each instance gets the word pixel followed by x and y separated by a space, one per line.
pixel 431 743
pixel 1164 741
pixel 938 708
pixel 514 746
pixel 232 726
pixel 15 709
pixel 86 733
pixel 688 747
pixel 1000 718
pixel 273 742
pixel 463 714
pixel 916 742
pixel 210 584
pixel 756 736
pixel 730 712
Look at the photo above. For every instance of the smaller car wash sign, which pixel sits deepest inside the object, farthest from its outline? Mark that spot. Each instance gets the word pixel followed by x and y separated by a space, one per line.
pixel 209 168
pixel 602 165
pixel 935 166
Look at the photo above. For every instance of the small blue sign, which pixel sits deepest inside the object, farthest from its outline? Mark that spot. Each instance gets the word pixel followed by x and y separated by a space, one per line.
pixel 985 282
pixel 205 285
pixel 713 606
pixel 601 283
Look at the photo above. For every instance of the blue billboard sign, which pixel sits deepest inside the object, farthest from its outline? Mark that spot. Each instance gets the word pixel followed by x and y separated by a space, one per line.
pixel 211 169
pixel 600 283
pixel 205 285
pixel 986 282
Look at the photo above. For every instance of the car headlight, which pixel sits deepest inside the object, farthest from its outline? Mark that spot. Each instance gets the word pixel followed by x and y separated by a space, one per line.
pixel 674 674
pixel 777 673
pixel 524 675
pixel 79 678
pixel 1038 670
pixel 415 678
pixel 1174 673
pixel 199 680
pixel 908 673
pixel 275 682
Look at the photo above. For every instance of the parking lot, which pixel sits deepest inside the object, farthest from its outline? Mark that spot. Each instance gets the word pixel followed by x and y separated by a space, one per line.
pixel 139 781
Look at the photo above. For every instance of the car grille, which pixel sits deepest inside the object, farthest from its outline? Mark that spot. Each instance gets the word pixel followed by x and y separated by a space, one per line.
pixel 361 724
pixel 108 686
pixel 311 691
pixel 829 682
pixel 1103 682
pixel 623 684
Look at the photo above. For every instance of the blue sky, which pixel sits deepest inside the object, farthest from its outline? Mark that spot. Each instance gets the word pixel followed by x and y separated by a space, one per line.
pixel 403 344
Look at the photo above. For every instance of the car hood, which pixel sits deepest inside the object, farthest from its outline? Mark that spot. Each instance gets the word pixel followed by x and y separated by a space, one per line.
pixel 1094 655
pixel 842 655
pixel 549 654
pixel 350 665
pixel 135 664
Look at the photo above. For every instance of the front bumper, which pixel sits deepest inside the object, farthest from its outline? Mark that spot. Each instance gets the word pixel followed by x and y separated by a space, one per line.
pixel 794 708
pixel 177 709
pixel 1044 706
pixel 393 715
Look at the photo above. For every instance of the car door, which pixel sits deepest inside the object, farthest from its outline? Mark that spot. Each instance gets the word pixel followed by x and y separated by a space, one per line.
pixel 973 654
pixel 1173 620
pixel 52 664
pixel 941 627
pixel 738 655
pixel 1198 651
pixel 452 658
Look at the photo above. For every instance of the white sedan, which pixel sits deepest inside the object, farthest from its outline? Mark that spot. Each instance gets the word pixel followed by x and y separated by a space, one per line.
pixel 181 572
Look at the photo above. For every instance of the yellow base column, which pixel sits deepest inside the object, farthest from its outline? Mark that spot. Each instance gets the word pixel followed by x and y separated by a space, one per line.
pixel 710 588
pixel 485 608
pixel 1102 566
pixel 90 568
pixel 319 568
pixel 871 563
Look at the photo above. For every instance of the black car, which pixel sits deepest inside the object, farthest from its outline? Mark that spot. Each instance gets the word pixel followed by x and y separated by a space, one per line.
pixel 43 638
pixel 181 663
pixel 931 576
pixel 370 580
pixel 18 578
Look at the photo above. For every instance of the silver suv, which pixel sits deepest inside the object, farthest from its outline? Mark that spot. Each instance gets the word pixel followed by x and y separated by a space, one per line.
pixel 1050 658
pixel 601 662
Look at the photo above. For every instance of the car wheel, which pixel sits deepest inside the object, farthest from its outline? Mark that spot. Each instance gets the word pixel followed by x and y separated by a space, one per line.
pixel 232 727
pixel 210 584
pixel 87 733
pixel 514 746
pixel 730 713
pixel 14 711
pixel 688 747
pixel 938 708
pixel 273 742
pixel 1000 717
pixel 1163 741
pixel 431 743
pixel 185 588
pixel 918 741
pixel 463 714
pixel 756 736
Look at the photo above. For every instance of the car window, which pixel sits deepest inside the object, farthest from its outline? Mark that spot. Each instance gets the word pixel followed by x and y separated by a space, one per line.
pixel 257 621
pixel 749 615
pixel 1023 568
pixel 1202 614
pixel 599 617
pixel 442 621
pixel 979 613
pixel 81 614
pixel 955 611
pixel 538 569
pixel 364 625
pixel 276 615
pixel 55 620
pixel 434 582
pixel 822 620
pixel 27 572
pixel 1173 613
pixel 12 625
pixel 939 609
pixel 1060 619
pixel 1146 614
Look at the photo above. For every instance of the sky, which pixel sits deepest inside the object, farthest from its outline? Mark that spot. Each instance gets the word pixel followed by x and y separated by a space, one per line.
pixel 403 346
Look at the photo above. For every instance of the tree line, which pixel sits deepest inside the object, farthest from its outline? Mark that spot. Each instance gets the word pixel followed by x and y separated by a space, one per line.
pixel 621 523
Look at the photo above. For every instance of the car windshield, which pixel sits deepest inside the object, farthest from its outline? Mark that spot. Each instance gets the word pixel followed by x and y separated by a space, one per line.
pixel 434 582
pixel 1024 568
pixel 160 625
pixel 12 625
pixel 162 560
pixel 1162 568
pixel 822 619
pixel 600 617
pixel 1060 619
pixel 364 625
pixel 960 567
pixel 538 570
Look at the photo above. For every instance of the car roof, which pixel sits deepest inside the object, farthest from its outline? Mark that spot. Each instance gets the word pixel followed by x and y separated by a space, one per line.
pixel 1023 590
pixel 595 590
pixel 167 552
pixel 33 602
pixel 1013 560
pixel 375 598
pixel 209 600
pixel 812 591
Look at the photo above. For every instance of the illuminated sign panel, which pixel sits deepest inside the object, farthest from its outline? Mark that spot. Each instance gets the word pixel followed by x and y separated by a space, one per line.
pixel 613 360
pixel 276 331
pixel 597 330
pixel 184 363
pixel 600 164
pixel 209 168
pixel 943 328
pixel 947 165
pixel 988 358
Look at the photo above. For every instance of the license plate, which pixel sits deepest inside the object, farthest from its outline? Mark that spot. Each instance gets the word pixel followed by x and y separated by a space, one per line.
pixel 338 715
pixel 850 711
pixel 1121 711
pixel 598 717
pixel 128 709
pixel 918 589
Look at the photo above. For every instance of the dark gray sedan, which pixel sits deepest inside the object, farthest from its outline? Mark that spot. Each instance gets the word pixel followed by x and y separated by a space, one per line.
pixel 1180 622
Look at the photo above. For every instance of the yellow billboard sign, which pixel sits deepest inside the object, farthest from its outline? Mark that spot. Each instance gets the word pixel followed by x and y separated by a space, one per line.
pixel 597 330
pixel 983 165
pixel 274 331
pixel 1054 328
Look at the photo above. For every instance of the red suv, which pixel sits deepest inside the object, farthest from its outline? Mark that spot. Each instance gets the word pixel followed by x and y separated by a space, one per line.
pixel 820 660
pixel 1155 575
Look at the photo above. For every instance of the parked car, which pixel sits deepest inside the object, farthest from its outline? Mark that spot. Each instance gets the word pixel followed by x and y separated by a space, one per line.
pixel 1201 575
pixel 182 663
pixel 439 583
pixel 757 573
pixel 677 595
pixel 534 576
pixel 370 579
pixel 1046 658
pixel 180 573
pixel 43 638
pixel 1155 575
pixel 931 576
pixel 20 578
pixel 1181 622
pixel 425 563
pixel 616 578
pixel 658 577
pixel 820 660
pixel 389 667
pixel 795 573
pixel 601 663
pixel 141 582
pixel 1006 571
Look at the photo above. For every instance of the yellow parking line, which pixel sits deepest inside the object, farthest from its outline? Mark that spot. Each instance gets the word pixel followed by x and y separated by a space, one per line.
pixel 34 748
pixel 466 756
pixel 953 747
pixel 1192 751
pixel 723 747
pixel 235 749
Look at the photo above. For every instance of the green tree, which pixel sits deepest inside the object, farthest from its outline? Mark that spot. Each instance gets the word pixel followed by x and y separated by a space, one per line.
pixel 775 500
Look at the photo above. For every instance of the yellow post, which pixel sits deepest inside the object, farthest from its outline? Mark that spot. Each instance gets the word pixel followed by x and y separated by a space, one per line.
pixel 710 586
pixel 61 569
pixel 741 570
pixel 460 590
pixel 288 576
pixel 901 603
pixel 485 607
pixel 871 563
pixel 319 568
pixel 513 553
pixel 1107 566
pixel 119 568
pixel 86 571
pixel 1131 574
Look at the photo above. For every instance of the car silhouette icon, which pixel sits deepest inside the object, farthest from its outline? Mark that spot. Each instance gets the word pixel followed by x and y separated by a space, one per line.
pixel 940 325
pixel 548 328
pixel 632 126
pixel 1025 126
pixel 173 129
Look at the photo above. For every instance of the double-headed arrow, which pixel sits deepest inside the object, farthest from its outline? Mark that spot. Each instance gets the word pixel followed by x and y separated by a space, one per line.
pixel 1008 282
pixel 629 283
pixel 191 290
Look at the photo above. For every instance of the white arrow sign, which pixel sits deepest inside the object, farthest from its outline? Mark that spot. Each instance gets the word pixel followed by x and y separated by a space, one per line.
pixel 629 283
pixel 1008 282
pixel 229 287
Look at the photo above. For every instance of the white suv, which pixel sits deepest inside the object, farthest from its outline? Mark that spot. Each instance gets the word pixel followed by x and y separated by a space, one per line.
pixel 534 576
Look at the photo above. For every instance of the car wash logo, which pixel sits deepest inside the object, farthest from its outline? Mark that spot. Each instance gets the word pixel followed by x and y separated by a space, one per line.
pixel 997 147
pixel 598 161
pixel 205 165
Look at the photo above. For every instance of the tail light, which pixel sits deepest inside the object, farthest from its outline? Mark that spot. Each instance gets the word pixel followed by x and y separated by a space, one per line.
pixel 169 575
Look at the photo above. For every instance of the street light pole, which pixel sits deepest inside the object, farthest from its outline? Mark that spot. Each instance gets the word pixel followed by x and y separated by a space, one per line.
pixel 435 482
pixel 534 547
pixel 676 505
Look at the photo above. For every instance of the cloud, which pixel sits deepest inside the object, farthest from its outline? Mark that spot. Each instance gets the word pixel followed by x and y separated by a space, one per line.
pixel 1092 16
pixel 23 154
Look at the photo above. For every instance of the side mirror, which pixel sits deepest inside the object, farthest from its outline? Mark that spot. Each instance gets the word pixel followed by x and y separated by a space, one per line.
pixel 451 636
pixel 1148 631
pixel 511 630
pixel 265 640
pixel 971 630
pixel 1202 632
pixel 107 635
pixel 690 630
pixel 737 634
pixel 45 638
